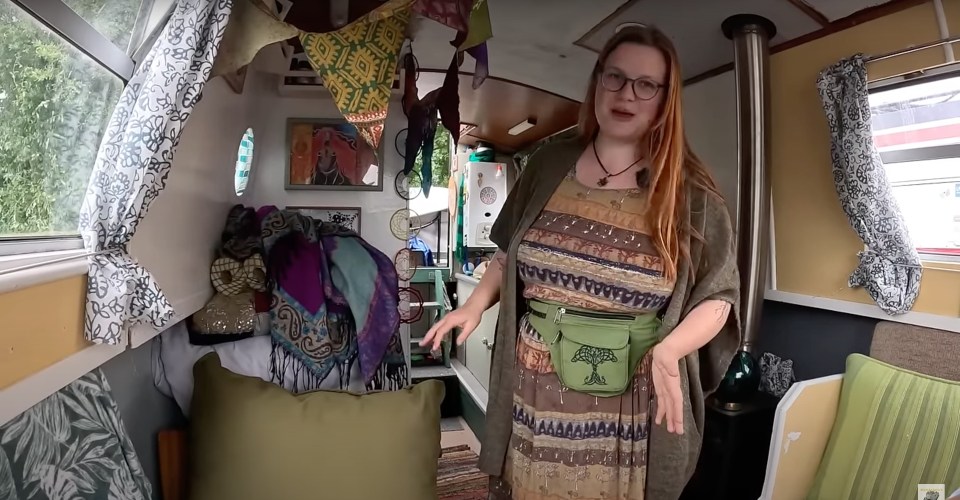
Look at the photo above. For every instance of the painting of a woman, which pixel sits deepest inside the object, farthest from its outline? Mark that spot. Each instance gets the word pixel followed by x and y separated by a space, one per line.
pixel 327 154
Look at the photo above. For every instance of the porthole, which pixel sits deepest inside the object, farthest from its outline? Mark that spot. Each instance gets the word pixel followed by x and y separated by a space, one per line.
pixel 244 162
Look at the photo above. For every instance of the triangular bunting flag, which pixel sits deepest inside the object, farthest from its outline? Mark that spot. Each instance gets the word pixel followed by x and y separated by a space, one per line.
pixel 454 14
pixel 358 63
pixel 250 29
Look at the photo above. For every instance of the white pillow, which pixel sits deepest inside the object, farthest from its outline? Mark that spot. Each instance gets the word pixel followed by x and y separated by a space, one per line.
pixel 174 359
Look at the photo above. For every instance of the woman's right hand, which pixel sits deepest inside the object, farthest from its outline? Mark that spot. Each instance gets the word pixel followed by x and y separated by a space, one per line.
pixel 466 318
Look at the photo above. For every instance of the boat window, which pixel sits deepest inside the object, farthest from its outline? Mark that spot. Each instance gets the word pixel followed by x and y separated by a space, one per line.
pixel 55 104
pixel 244 162
pixel 120 21
pixel 916 128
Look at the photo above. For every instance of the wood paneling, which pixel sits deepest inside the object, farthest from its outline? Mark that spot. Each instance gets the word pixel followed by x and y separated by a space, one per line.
pixel 500 104
pixel 42 325
pixel 816 248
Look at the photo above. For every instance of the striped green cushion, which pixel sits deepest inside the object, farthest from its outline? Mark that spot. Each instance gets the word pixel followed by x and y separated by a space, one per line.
pixel 894 429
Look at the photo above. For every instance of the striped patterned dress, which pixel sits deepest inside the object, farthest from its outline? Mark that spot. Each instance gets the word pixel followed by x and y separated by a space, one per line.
pixel 590 249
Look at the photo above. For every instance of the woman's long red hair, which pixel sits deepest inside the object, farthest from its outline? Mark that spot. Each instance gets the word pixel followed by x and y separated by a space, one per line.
pixel 671 161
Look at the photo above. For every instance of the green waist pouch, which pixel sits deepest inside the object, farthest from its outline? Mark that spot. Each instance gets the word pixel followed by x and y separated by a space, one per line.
pixel 594 352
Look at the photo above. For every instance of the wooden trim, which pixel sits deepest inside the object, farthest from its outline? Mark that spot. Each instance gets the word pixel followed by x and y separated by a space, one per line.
pixel 29 391
pixel 582 41
pixel 719 70
pixel 823 394
pixel 927 320
pixel 859 17
pixel 172 457
pixel 809 10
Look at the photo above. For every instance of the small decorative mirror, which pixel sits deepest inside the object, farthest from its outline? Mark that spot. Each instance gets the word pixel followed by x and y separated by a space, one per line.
pixel 244 162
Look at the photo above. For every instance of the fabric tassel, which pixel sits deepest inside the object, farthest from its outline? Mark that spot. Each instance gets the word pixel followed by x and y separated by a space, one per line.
pixel 302 379
pixel 389 377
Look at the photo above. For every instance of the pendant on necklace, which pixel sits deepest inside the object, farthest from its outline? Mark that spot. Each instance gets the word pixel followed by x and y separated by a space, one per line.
pixel 602 181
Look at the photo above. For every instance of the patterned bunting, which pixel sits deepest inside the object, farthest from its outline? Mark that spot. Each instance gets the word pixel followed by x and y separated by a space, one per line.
pixel 454 14
pixel 251 28
pixel 474 42
pixel 358 63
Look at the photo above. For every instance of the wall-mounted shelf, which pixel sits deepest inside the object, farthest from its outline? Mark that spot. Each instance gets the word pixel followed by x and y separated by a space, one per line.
pixel 436 310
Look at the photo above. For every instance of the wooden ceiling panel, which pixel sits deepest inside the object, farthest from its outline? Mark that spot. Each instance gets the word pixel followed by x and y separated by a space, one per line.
pixel 499 104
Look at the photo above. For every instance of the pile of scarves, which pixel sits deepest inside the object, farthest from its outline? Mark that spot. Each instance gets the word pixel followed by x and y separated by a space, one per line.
pixel 333 303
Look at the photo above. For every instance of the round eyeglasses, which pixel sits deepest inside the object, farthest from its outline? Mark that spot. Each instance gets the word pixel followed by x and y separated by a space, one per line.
pixel 644 88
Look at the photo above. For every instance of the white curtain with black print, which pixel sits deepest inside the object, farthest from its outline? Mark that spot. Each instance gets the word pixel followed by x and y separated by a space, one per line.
pixel 132 165
pixel 889 267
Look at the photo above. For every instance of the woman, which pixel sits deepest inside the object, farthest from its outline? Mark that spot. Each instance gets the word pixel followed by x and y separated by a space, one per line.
pixel 620 231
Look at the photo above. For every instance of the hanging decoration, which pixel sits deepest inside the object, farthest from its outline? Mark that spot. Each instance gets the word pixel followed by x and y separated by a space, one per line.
pixel 454 14
pixel 405 189
pixel 474 41
pixel 405 264
pixel 251 28
pixel 358 63
pixel 422 118
pixel 400 224
pixel 410 313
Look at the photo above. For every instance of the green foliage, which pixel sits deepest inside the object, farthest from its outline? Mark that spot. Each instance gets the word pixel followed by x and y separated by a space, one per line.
pixel 114 19
pixel 55 103
pixel 440 160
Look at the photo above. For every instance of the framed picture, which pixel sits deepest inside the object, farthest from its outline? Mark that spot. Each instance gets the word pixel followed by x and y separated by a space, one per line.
pixel 329 154
pixel 348 217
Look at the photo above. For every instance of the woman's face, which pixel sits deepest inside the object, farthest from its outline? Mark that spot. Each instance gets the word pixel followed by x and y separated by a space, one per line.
pixel 627 113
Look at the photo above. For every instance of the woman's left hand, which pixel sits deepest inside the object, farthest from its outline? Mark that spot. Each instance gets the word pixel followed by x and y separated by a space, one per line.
pixel 666 385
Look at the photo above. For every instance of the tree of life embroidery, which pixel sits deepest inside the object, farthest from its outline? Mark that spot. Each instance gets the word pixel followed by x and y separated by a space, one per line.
pixel 595 356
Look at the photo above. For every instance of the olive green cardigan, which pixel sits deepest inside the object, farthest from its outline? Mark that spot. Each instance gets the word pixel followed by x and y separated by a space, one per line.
pixel 714 275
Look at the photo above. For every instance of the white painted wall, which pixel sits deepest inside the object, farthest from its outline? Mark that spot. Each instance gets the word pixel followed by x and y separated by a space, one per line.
pixel 710 116
pixel 267 177
pixel 177 239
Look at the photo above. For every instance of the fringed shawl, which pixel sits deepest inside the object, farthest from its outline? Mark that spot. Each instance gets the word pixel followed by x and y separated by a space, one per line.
pixel 334 300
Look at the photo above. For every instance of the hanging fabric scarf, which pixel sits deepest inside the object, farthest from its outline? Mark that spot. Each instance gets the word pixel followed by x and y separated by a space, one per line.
pixel 422 119
pixel 474 41
pixel 358 64
pixel 334 302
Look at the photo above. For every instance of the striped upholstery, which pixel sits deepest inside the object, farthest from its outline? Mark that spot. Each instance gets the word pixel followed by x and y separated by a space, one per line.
pixel 894 429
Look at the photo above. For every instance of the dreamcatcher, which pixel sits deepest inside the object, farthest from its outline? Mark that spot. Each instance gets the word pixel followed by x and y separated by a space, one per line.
pixel 404 187
pixel 410 313
pixel 400 224
pixel 405 264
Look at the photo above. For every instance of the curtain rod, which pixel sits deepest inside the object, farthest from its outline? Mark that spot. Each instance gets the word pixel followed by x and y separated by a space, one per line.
pixel 908 50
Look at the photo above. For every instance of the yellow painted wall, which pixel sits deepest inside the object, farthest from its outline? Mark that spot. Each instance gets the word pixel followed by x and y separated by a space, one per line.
pixel 816 249
pixel 41 325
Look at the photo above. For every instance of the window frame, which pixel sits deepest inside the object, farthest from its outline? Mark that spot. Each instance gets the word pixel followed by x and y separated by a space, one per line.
pixel 68 25
pixel 939 152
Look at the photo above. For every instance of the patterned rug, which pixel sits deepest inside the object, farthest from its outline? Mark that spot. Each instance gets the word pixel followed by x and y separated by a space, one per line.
pixel 458 477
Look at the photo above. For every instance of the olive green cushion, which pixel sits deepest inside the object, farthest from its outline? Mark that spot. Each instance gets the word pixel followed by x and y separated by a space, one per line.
pixel 251 439
pixel 894 429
